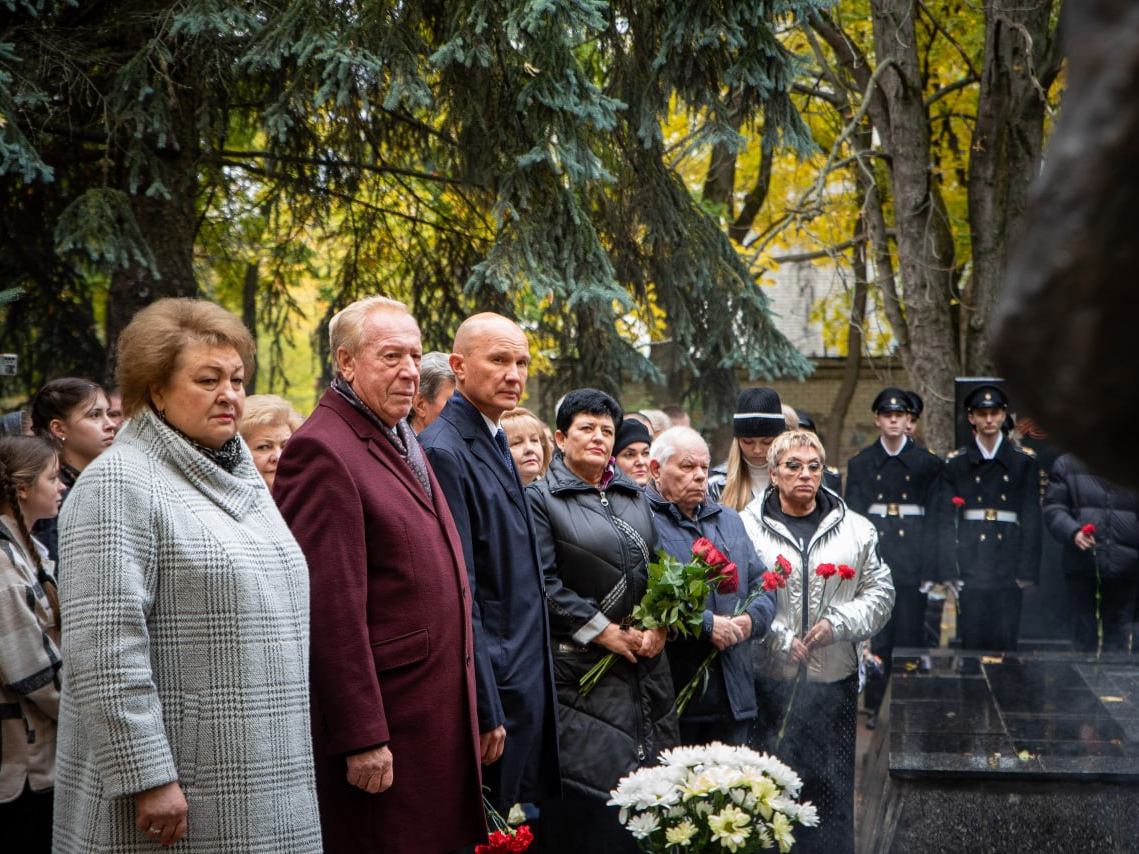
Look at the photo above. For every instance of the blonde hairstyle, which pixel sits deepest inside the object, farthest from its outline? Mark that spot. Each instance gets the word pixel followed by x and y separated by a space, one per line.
pixel 520 418
pixel 22 460
pixel 346 329
pixel 737 487
pixel 784 442
pixel 268 410
pixel 148 348
pixel 790 417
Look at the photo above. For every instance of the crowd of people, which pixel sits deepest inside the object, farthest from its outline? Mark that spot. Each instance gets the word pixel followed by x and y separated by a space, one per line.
pixel 229 627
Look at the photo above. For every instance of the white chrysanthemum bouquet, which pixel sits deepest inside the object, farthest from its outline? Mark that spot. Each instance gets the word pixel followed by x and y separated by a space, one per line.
pixel 713 798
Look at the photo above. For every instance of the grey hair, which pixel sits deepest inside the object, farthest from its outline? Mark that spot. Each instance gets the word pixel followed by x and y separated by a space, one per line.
pixel 346 329
pixel 434 373
pixel 668 442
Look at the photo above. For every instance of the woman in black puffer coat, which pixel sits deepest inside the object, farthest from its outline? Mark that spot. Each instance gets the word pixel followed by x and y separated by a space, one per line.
pixel 596 538
pixel 1075 498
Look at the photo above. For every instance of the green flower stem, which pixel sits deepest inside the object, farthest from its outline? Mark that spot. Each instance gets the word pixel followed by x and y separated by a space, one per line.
pixel 790 703
pixel 590 679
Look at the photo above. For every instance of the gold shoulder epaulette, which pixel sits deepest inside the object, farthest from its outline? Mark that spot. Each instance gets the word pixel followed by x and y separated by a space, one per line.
pixel 1028 451
pixel 953 454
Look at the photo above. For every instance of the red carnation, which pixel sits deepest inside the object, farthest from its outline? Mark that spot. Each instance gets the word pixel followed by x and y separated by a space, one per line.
pixel 1088 530
pixel 958 501
pixel 784 565
pixel 773 581
pixel 504 842
pixel 729 579
pixel 825 570
pixel 522 838
pixel 845 572
pixel 708 553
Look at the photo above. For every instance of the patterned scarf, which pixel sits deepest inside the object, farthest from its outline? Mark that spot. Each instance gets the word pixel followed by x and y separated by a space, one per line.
pixel 228 456
pixel 401 436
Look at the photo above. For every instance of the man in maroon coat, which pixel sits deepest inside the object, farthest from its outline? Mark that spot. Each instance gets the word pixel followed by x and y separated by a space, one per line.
pixel 393 699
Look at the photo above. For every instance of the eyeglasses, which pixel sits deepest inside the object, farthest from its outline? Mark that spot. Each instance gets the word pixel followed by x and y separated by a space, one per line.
pixel 793 466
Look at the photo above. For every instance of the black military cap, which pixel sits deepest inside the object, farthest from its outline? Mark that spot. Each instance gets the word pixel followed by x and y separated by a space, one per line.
pixel 758 413
pixel 916 403
pixel 986 396
pixel 891 400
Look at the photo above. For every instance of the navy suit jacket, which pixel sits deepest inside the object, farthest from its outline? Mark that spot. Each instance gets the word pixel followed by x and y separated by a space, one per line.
pixel 513 663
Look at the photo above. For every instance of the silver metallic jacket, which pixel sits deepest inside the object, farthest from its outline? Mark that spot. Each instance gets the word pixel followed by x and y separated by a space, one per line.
pixel 856 608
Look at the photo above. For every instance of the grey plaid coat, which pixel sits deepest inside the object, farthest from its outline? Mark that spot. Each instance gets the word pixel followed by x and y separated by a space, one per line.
pixel 185 649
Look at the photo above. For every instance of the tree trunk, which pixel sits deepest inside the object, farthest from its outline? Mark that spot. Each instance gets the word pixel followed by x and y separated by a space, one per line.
pixel 924 238
pixel 836 420
pixel 166 220
pixel 249 318
pixel 1008 139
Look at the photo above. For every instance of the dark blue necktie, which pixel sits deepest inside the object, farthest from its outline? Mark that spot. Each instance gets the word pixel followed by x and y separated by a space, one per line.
pixel 504 450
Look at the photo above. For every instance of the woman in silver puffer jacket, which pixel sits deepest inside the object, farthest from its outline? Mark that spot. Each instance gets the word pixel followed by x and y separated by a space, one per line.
pixel 808 683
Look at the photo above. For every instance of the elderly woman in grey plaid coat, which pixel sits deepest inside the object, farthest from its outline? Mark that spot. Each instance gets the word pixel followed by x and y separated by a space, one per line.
pixel 184 714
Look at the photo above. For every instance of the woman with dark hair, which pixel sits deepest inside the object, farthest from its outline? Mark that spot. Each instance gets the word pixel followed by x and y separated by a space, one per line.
pixel 596 538
pixel 30 490
pixel 71 412
pixel 184 716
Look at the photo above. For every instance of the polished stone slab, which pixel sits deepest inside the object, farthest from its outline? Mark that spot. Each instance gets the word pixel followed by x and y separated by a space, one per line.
pixel 1016 714
pixel 1028 751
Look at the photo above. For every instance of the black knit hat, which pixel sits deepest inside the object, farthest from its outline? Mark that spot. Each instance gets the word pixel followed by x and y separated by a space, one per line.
pixel 629 433
pixel 891 399
pixel 758 413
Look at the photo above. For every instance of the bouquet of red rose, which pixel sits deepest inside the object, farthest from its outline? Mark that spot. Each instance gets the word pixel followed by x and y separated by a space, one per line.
pixel 675 597
pixel 771 581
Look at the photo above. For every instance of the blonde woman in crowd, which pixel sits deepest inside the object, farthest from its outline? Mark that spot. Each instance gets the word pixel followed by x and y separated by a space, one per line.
pixel 759 418
pixel 266 426
pixel 30 490
pixel 528 443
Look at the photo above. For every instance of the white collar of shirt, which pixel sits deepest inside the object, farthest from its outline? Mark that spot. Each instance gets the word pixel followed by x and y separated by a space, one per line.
pixel 890 453
pixel 989 455
pixel 492 426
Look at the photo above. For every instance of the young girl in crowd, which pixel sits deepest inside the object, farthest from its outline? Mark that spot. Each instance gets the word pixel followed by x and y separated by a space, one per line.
pixel 72 414
pixel 30 490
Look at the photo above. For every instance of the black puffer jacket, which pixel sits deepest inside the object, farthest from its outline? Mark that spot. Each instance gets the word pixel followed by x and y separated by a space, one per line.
pixel 595 547
pixel 1075 497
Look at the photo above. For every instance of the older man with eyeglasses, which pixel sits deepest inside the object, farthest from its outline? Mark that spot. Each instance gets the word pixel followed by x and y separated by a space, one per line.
pixel 835 591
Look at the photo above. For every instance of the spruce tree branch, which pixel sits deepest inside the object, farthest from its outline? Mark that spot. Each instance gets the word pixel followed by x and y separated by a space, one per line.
pixel 274 157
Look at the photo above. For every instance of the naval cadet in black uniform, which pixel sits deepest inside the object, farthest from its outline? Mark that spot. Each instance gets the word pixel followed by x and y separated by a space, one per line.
pixel 994 551
pixel 894 483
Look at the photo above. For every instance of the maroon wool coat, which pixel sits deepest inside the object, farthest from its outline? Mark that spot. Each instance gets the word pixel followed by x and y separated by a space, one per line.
pixel 391 638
